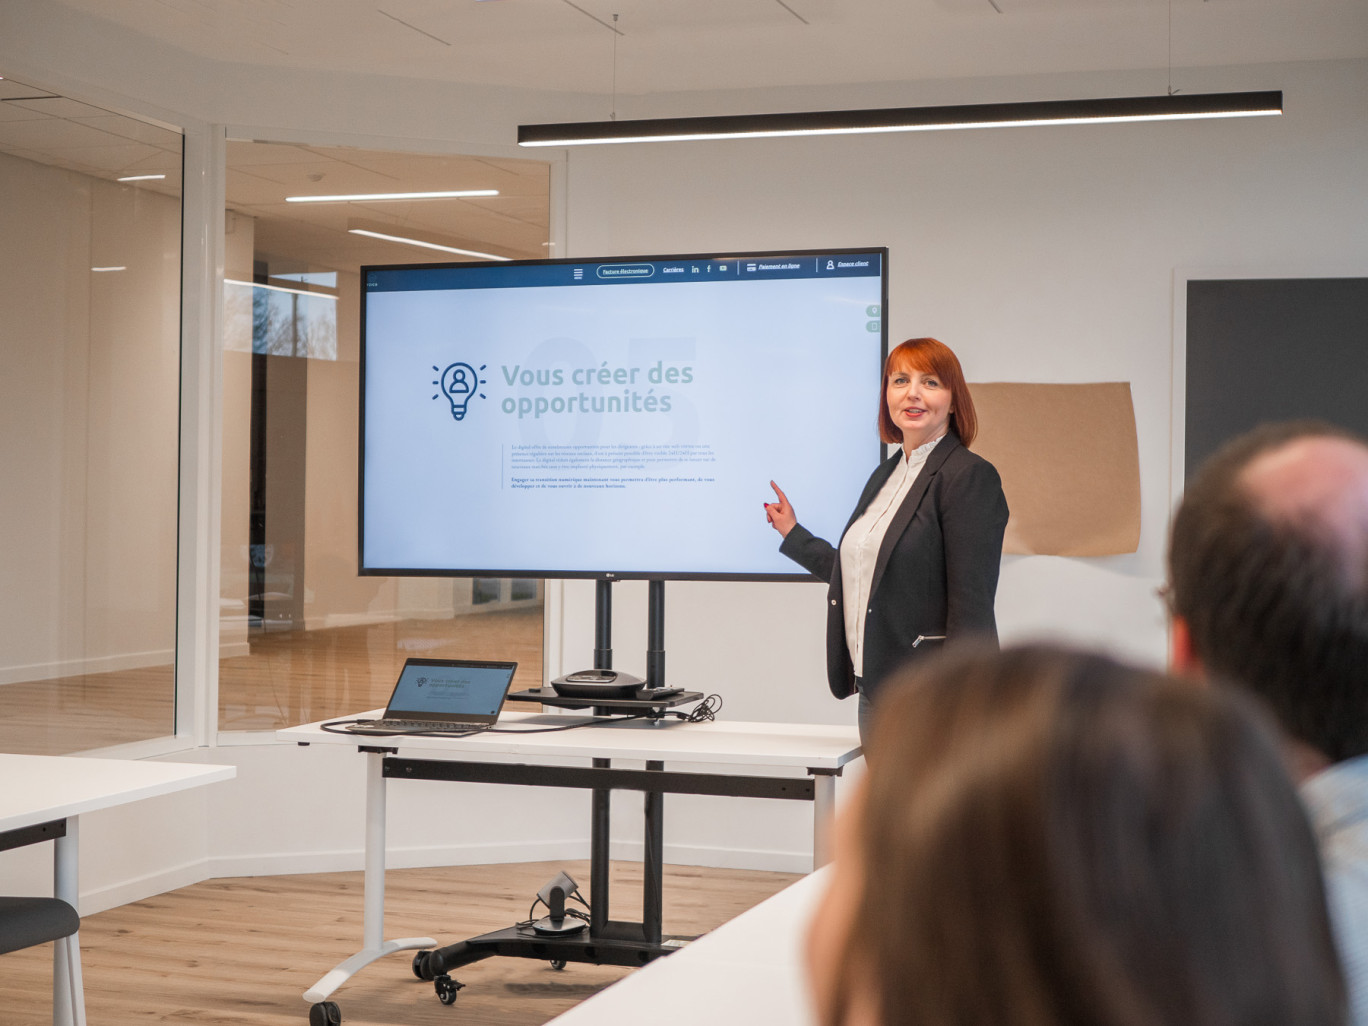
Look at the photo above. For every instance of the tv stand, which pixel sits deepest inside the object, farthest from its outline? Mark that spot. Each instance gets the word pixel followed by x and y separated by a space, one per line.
pixel 606 942
pixel 603 650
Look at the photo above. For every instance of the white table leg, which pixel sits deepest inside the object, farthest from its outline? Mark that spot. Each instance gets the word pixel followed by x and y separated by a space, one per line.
pixel 68 994
pixel 373 901
pixel 373 923
pixel 823 808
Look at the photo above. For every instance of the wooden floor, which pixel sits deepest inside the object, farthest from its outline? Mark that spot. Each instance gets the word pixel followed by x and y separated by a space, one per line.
pixel 243 951
pixel 289 677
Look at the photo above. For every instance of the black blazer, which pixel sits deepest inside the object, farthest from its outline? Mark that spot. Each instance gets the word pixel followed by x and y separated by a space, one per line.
pixel 937 569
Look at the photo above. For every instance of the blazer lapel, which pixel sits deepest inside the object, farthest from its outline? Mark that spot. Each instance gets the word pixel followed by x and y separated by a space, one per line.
pixel 876 481
pixel 909 505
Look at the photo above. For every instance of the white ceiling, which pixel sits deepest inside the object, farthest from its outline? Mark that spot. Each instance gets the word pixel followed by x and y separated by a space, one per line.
pixel 43 127
pixel 662 46
pixel 260 175
pixel 653 47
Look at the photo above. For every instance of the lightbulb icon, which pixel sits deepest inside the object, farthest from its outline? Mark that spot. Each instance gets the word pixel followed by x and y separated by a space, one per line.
pixel 460 383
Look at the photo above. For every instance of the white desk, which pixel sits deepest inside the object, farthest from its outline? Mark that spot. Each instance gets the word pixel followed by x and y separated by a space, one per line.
pixel 818 752
pixel 42 798
pixel 748 970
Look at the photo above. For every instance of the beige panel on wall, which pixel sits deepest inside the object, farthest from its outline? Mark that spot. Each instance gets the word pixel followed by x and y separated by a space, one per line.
pixel 1069 462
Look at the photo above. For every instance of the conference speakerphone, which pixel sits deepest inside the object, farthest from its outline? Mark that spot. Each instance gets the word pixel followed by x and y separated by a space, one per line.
pixel 598 683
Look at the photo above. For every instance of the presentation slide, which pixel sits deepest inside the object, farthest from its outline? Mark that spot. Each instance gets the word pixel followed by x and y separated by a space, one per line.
pixel 569 418
pixel 464 690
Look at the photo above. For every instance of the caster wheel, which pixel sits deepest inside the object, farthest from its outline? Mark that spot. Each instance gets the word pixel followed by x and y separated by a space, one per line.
pixel 558 964
pixel 446 989
pixel 325 1013
pixel 420 965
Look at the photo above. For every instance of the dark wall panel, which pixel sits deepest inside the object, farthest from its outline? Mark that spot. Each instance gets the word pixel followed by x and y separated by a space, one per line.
pixel 1273 349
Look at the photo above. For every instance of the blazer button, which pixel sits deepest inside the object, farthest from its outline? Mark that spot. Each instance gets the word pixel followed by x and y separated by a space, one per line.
pixel 833 602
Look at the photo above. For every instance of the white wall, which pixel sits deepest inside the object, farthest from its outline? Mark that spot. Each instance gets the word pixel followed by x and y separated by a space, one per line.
pixel 1038 254
pixel 1043 255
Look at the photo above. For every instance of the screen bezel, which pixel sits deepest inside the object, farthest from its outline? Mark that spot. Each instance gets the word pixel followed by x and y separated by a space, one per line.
pixel 603 574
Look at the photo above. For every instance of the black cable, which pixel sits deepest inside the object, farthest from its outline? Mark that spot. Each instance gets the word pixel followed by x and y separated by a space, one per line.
pixel 703 712
pixel 574 913
pixel 339 727
pixel 597 722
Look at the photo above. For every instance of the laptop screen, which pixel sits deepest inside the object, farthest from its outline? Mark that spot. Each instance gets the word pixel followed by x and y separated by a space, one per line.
pixel 450 690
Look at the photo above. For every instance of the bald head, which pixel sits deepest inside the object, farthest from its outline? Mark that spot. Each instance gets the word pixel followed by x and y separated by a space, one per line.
pixel 1316 485
pixel 1268 566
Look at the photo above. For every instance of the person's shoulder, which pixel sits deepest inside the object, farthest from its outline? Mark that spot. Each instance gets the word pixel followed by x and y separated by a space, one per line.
pixel 1338 796
pixel 965 460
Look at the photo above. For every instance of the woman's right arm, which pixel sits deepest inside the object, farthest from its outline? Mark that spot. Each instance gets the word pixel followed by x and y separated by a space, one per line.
pixel 813 554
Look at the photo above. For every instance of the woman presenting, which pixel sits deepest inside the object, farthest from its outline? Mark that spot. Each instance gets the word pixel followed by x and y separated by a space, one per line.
pixel 918 562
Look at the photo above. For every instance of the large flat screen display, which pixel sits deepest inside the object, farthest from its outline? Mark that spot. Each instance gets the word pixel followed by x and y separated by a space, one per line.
pixel 615 418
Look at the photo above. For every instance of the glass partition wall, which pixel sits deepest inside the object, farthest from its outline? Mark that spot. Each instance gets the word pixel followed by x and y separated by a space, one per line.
pixel 90 215
pixel 302 635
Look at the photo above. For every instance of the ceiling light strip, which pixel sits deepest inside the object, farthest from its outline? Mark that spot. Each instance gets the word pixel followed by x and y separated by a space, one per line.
pixel 1180 107
pixel 363 197
pixel 278 288
pixel 427 245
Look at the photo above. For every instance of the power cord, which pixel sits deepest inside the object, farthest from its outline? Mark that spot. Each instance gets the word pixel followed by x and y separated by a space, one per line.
pixel 570 913
pixel 703 712
pixel 348 727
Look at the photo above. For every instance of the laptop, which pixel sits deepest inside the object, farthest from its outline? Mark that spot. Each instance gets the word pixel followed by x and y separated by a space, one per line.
pixel 446 696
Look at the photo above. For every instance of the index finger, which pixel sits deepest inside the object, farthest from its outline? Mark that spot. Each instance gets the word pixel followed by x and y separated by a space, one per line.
pixel 779 492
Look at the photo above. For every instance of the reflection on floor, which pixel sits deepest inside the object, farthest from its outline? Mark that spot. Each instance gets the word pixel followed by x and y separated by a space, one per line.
pixel 92 710
pixel 289 677
pixel 300 676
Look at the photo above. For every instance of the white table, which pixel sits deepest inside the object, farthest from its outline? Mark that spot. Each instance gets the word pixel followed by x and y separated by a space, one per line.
pixel 751 969
pixel 42 798
pixel 817 752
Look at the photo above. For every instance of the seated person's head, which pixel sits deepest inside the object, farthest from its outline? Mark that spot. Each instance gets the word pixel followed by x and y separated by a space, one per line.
pixel 1268 572
pixel 1048 837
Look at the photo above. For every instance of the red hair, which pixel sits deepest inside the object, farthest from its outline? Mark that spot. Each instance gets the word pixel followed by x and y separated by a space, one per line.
pixel 929 356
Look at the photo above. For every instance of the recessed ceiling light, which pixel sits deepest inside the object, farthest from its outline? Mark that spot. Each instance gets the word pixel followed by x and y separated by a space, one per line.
pixel 426 245
pixel 101 270
pixel 363 197
pixel 142 178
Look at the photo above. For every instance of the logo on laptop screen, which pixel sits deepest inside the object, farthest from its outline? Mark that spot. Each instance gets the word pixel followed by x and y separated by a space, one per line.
pixel 460 383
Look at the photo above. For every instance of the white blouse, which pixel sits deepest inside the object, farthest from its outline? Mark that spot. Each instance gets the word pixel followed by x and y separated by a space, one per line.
pixel 860 547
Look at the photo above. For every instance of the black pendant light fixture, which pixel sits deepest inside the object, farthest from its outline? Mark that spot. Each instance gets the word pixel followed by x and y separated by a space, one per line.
pixel 1173 107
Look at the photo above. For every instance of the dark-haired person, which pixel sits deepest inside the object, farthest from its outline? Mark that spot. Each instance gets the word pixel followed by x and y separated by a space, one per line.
pixel 918 562
pixel 1048 838
pixel 1268 591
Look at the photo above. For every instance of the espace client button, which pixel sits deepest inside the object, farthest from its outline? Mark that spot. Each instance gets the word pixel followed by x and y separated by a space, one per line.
pixel 618 272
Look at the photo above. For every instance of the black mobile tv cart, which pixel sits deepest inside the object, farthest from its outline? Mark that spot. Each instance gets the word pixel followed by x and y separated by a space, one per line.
pixel 605 941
